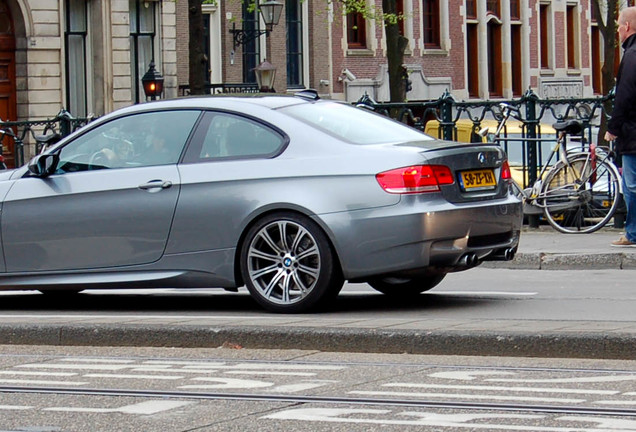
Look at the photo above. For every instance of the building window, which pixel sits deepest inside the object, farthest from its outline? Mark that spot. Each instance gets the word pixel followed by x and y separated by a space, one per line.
pixel 596 55
pixel 356 31
pixel 142 43
pixel 495 82
pixel 251 49
pixel 76 57
pixel 399 11
pixel 517 79
pixel 472 59
pixel 493 7
pixel 572 36
pixel 431 24
pixel 293 13
pixel 515 10
pixel 471 9
pixel 544 36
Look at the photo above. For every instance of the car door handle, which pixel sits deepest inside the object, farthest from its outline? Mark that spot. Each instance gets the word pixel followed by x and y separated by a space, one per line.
pixel 155 185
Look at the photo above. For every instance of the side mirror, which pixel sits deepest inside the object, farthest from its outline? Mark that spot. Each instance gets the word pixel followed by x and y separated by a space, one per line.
pixel 43 165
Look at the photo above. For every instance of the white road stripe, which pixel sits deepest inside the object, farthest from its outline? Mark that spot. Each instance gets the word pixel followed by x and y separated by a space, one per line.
pixel 122 376
pixel 97 360
pixel 498 388
pixel 42 382
pixel 577 380
pixel 25 373
pixel 143 408
pixel 488 293
pixel 75 366
pixel 467 396
pixel 15 407
pixel 267 373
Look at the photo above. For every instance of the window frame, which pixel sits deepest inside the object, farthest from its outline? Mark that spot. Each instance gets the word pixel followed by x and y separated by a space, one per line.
pixel 573 40
pixel 356 31
pixel 136 36
pixel 435 30
pixel 192 154
pixel 545 45
pixel 77 95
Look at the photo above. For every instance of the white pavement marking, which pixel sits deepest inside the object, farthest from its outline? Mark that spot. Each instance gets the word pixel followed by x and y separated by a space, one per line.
pixel 97 360
pixel 15 407
pixel 297 387
pixel 500 388
pixel 603 423
pixel 143 408
pixel 124 376
pixel 268 373
pixel 228 383
pixel 468 375
pixel 488 293
pixel 25 373
pixel 42 382
pixel 195 371
pixel 578 380
pixel 138 317
pixel 274 366
pixel 335 415
pixel 468 396
pixel 107 367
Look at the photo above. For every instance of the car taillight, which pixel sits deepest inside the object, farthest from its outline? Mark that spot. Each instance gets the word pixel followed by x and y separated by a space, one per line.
pixel 415 179
pixel 506 174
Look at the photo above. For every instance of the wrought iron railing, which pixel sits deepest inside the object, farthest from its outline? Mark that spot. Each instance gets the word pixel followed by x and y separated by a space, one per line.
pixel 184 90
pixel 26 133
pixel 446 112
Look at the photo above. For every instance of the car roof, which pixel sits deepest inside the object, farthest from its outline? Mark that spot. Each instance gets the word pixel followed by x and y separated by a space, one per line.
pixel 225 102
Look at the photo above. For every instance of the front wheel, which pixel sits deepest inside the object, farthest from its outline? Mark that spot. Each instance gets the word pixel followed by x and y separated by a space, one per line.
pixel 397 286
pixel 288 264
pixel 580 196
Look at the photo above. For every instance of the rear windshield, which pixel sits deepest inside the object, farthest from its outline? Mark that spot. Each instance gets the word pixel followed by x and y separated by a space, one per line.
pixel 355 125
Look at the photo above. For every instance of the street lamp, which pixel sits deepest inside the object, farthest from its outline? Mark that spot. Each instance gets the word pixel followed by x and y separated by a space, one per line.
pixel 265 76
pixel 270 12
pixel 152 82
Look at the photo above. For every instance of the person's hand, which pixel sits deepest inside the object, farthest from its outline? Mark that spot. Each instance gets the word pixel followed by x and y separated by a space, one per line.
pixel 609 136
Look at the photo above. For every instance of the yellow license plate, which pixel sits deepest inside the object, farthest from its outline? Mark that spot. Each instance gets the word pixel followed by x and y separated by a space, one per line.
pixel 478 179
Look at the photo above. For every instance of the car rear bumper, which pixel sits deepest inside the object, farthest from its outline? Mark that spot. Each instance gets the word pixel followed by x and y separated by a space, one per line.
pixel 423 236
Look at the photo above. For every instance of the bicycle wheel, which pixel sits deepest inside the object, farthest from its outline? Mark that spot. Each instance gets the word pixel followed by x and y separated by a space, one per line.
pixel 580 196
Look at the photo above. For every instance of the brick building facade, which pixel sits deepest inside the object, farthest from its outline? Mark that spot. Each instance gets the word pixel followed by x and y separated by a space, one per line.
pixel 477 49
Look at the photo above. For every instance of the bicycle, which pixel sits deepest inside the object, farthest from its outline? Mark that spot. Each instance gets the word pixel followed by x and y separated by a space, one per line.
pixel 580 193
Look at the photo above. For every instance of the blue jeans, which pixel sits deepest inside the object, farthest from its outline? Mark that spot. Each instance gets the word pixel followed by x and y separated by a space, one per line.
pixel 629 195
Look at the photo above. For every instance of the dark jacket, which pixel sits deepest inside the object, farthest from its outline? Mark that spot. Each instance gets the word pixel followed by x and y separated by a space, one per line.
pixel 623 121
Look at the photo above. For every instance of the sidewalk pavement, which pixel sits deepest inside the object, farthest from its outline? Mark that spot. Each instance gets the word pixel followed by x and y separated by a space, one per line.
pixel 540 249
pixel 544 248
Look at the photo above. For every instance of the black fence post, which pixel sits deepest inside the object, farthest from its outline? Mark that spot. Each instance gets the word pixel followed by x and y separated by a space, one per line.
pixel 447 101
pixel 530 99
pixel 66 120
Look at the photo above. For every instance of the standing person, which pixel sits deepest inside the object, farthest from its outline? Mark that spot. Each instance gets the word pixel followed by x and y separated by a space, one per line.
pixel 622 125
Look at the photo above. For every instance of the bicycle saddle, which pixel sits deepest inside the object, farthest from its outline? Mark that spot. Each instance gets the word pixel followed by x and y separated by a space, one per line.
pixel 571 127
pixel 49 139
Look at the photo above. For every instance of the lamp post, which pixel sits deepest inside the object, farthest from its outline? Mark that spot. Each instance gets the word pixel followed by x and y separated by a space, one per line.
pixel 152 82
pixel 270 12
pixel 265 76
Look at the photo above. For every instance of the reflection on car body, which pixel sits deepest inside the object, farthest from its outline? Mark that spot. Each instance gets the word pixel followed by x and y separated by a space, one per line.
pixel 289 196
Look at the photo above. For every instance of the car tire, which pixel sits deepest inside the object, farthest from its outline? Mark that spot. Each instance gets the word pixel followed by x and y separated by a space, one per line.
pixel 288 264
pixel 396 286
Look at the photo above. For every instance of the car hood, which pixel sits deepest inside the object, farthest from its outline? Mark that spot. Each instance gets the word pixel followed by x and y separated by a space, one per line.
pixel 6 174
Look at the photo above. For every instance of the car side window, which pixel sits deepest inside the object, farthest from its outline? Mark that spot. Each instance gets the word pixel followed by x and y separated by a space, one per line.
pixel 227 136
pixel 146 139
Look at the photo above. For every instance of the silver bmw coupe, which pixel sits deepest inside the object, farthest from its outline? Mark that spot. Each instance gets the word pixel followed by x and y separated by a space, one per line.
pixel 290 196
